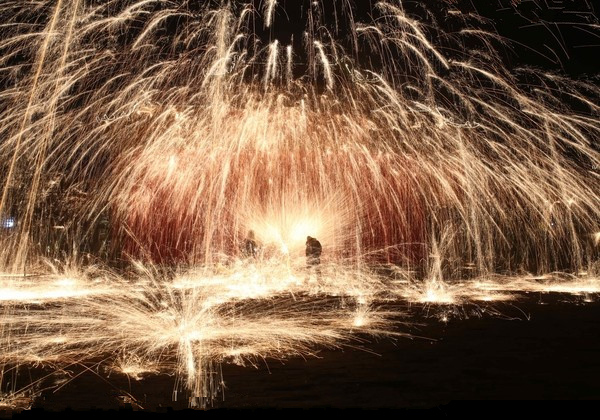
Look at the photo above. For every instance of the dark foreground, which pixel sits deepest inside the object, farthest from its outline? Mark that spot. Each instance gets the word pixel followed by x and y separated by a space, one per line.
pixel 543 347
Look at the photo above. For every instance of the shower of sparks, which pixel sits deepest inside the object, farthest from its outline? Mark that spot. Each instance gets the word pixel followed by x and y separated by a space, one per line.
pixel 143 140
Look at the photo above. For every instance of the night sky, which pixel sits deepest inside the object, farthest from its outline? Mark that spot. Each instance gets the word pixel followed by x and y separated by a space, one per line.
pixel 550 34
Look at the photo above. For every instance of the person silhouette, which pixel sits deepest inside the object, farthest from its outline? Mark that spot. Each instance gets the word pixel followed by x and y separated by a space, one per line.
pixel 313 251
pixel 250 246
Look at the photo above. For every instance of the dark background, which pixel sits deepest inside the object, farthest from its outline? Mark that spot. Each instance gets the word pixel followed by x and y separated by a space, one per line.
pixel 550 34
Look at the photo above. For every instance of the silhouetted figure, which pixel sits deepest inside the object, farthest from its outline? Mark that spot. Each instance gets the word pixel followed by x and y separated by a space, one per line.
pixel 313 251
pixel 250 246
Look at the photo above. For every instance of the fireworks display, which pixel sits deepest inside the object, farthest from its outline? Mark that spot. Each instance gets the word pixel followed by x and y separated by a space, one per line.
pixel 142 141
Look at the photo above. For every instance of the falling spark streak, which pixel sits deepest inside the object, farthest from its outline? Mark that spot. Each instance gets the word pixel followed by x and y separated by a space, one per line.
pixel 290 63
pixel 269 8
pixel 271 72
pixel 135 143
pixel 326 65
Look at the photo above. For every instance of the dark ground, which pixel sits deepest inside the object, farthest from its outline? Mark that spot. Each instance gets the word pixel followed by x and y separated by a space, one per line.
pixel 553 355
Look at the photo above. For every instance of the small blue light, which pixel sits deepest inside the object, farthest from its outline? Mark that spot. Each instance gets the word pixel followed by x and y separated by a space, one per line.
pixel 9 223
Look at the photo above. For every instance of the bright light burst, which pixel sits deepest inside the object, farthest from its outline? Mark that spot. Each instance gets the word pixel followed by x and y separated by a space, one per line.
pixel 163 132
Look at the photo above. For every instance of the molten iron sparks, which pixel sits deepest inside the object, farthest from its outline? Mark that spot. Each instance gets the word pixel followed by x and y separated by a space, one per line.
pixel 128 137
pixel 240 313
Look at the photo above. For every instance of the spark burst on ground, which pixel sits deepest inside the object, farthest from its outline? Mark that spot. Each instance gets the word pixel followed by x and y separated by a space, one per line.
pixel 164 131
